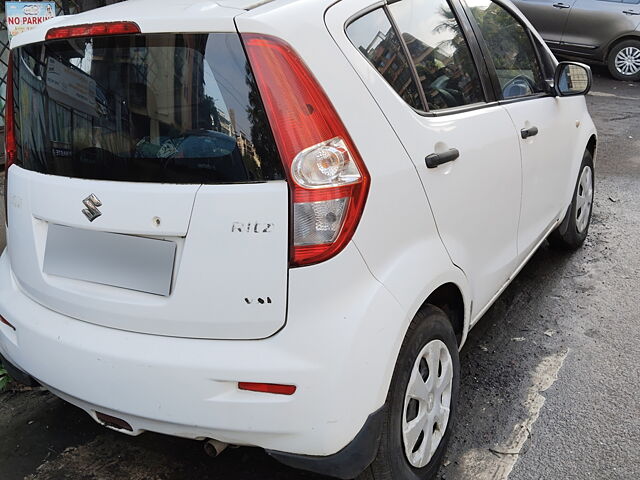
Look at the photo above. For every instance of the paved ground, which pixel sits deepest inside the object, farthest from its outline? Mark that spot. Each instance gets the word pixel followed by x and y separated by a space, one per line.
pixel 550 377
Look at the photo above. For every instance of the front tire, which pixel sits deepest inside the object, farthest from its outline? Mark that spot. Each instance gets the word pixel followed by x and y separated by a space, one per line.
pixel 422 402
pixel 572 232
pixel 624 61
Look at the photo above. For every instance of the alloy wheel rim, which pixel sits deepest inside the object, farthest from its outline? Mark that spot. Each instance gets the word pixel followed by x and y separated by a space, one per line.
pixel 427 403
pixel 584 199
pixel 627 61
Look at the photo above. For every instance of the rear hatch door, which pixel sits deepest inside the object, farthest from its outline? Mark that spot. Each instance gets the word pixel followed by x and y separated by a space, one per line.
pixel 147 193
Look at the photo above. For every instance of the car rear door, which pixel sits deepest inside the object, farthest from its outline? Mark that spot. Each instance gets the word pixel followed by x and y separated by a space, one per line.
pixel 428 84
pixel 147 193
pixel 594 24
pixel 548 16
pixel 546 126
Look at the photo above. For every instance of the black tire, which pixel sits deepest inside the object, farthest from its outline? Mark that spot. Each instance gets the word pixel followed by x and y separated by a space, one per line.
pixel 391 463
pixel 568 236
pixel 611 60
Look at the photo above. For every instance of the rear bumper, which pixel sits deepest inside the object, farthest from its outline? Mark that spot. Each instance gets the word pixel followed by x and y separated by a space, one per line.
pixel 341 362
pixel 349 462
pixel 18 375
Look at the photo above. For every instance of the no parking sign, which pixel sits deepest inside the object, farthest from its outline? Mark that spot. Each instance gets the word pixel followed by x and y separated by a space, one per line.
pixel 23 16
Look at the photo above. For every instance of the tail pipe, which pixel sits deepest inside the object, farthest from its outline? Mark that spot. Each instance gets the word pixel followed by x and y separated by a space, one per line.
pixel 214 448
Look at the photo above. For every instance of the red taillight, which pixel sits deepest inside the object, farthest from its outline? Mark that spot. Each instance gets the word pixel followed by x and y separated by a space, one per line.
pixel 268 388
pixel 328 179
pixel 93 30
pixel 10 147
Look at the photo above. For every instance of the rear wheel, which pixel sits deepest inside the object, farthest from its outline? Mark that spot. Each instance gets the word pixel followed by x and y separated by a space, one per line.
pixel 624 60
pixel 572 232
pixel 422 402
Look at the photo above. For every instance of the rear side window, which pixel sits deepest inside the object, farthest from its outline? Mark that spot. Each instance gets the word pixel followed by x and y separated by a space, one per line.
pixel 439 53
pixel 374 36
pixel 510 48
pixel 168 108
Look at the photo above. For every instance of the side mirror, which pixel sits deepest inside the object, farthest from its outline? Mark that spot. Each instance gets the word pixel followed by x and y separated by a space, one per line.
pixel 572 79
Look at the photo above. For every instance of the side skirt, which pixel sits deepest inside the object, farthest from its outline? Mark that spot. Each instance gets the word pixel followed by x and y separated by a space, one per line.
pixel 514 274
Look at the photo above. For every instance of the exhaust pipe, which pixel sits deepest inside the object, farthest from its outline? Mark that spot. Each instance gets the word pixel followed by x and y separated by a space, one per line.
pixel 214 448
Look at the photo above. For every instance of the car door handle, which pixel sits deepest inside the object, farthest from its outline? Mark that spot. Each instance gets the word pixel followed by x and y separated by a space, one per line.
pixel 630 12
pixel 436 159
pixel 561 5
pixel 529 132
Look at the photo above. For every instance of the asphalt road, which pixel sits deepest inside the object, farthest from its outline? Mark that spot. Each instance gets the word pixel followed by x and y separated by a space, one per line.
pixel 550 376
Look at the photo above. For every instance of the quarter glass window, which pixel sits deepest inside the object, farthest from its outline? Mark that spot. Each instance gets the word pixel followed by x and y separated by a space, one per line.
pixel 374 36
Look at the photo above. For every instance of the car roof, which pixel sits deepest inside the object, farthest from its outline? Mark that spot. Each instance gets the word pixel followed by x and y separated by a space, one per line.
pixel 155 16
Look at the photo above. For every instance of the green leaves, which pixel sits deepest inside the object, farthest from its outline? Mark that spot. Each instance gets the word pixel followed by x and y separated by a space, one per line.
pixel 4 379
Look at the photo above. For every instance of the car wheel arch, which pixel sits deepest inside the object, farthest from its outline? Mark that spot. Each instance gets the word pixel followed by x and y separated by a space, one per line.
pixel 622 38
pixel 449 298
pixel 450 294
pixel 592 146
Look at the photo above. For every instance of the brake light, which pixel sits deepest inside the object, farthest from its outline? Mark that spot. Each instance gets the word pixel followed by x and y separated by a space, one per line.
pixel 268 388
pixel 93 30
pixel 327 177
pixel 10 148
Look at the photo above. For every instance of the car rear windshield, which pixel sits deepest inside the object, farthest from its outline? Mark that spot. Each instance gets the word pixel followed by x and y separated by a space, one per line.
pixel 167 108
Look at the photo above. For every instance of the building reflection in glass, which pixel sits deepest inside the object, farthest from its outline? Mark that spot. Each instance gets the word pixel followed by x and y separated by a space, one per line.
pixel 166 108
pixel 376 39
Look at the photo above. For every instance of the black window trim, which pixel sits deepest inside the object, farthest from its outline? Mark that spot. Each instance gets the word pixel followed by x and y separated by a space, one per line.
pixel 407 54
pixel 547 76
pixel 489 61
pixel 476 52
pixel 477 55
pixel 538 44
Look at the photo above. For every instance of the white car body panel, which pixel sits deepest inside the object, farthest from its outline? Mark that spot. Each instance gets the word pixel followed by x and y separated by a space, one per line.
pixel 334 329
pixel 462 194
pixel 547 161
pixel 411 233
pixel 229 223
pixel 125 374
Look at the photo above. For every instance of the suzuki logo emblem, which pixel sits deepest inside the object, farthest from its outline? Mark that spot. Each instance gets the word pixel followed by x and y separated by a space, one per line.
pixel 92 203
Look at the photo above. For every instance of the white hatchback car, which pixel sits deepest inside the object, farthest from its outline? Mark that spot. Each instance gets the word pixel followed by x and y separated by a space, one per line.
pixel 279 233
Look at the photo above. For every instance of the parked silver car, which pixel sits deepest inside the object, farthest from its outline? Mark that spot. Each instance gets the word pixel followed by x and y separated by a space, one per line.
pixel 606 31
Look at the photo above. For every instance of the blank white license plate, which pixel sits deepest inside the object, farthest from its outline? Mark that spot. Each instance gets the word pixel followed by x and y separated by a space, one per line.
pixel 125 261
